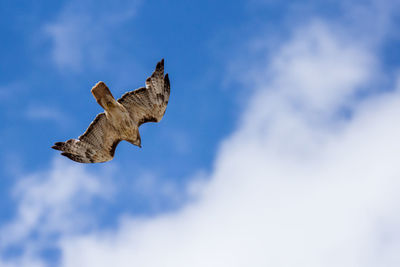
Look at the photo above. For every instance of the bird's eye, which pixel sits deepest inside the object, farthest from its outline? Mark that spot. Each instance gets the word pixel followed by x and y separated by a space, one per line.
pixel 109 104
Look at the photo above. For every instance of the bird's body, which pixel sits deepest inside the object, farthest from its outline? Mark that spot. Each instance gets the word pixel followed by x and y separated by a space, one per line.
pixel 123 124
pixel 121 119
pixel 116 114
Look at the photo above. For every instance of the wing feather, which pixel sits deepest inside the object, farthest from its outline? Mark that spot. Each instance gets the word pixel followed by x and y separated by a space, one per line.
pixel 148 104
pixel 96 144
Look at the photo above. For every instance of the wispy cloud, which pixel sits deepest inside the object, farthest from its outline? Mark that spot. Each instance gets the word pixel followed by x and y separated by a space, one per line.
pixel 11 89
pixel 157 191
pixel 82 34
pixel 49 203
pixel 41 112
pixel 3 92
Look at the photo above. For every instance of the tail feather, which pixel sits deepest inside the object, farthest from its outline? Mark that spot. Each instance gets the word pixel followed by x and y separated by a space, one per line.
pixel 59 146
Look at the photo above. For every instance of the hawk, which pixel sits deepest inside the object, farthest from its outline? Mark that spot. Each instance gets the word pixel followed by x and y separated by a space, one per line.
pixel 121 119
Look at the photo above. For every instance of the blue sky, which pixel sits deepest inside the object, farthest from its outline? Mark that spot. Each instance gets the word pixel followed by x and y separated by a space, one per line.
pixel 52 75
pixel 280 137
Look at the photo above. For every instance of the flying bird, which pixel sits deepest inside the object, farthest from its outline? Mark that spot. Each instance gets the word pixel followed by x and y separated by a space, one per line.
pixel 121 119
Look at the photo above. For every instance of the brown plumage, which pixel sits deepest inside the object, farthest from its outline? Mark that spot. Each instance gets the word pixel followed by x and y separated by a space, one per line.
pixel 121 119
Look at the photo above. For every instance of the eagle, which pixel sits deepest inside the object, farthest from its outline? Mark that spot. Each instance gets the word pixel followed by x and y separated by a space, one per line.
pixel 121 119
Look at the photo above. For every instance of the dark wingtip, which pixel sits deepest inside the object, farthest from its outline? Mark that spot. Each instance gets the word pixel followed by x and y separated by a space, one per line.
pixel 66 154
pixel 167 84
pixel 58 146
pixel 160 65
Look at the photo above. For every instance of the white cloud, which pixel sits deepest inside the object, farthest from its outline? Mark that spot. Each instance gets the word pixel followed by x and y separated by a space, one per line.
pixel 294 185
pixel 23 262
pixel 156 190
pixel 51 202
pixel 83 32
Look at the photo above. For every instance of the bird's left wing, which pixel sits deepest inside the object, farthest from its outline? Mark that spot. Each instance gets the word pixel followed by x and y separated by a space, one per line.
pixel 148 104
pixel 97 144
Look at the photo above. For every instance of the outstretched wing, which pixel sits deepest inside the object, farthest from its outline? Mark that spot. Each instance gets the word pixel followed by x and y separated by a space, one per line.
pixel 148 104
pixel 97 144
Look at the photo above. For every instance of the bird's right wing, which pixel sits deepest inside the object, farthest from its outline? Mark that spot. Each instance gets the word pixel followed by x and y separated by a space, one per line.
pixel 148 104
pixel 97 144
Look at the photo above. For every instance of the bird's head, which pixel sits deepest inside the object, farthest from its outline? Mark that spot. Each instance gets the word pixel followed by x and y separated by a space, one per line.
pixel 136 142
